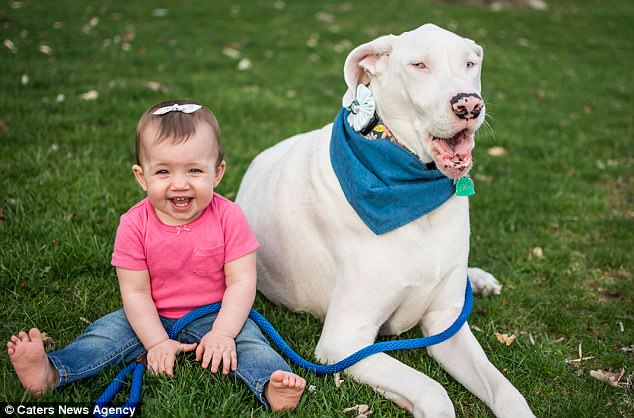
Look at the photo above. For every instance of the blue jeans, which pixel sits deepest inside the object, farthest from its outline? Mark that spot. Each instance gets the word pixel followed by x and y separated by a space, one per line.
pixel 111 341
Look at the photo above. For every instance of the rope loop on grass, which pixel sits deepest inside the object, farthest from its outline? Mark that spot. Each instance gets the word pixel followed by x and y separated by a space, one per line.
pixel 138 368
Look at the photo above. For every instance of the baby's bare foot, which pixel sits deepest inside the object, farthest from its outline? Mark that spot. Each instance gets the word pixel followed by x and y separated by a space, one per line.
pixel 31 363
pixel 284 390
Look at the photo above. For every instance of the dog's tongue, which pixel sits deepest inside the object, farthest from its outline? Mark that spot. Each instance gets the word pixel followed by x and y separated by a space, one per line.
pixel 457 148
pixel 455 154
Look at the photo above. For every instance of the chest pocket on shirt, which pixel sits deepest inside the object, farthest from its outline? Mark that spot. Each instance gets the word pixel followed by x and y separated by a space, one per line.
pixel 208 261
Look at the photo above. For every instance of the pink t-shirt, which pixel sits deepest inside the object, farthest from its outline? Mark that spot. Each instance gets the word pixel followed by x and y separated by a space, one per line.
pixel 186 263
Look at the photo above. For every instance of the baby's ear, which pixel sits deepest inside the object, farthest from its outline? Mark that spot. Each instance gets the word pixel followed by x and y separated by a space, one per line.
pixel 220 172
pixel 138 175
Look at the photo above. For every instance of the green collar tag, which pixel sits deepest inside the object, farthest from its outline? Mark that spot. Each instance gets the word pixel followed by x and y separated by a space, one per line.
pixel 464 186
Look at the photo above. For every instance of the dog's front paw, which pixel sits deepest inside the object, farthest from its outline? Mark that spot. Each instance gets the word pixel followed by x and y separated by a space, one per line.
pixel 483 282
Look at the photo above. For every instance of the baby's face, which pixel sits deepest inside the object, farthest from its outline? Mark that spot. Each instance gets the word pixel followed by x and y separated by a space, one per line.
pixel 179 178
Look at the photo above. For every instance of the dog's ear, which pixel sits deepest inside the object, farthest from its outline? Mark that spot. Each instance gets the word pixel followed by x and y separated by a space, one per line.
pixel 475 47
pixel 363 60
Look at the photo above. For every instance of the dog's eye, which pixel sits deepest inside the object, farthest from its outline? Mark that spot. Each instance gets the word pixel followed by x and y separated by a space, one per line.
pixel 471 64
pixel 419 65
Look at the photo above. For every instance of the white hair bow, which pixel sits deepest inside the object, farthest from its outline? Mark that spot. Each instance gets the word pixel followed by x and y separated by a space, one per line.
pixel 185 108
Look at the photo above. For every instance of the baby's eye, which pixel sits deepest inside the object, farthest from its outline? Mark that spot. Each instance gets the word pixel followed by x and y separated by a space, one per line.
pixel 195 171
pixel 162 172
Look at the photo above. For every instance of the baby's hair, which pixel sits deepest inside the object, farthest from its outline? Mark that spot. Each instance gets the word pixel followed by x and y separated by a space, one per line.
pixel 176 126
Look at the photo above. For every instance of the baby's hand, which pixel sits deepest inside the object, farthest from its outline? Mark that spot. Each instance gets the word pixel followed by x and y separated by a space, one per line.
pixel 216 348
pixel 161 357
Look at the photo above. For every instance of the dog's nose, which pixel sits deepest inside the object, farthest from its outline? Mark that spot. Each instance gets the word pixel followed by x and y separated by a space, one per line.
pixel 467 105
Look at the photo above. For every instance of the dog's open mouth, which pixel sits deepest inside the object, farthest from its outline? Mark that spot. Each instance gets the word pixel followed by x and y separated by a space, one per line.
pixel 453 155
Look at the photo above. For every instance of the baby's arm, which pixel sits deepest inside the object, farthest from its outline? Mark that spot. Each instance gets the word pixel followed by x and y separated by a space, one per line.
pixel 144 319
pixel 218 345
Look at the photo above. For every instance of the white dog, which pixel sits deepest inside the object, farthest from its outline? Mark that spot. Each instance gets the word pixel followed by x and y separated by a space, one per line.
pixel 319 256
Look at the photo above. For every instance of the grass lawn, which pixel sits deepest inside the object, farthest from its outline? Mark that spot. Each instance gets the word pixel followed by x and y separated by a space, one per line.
pixel 552 218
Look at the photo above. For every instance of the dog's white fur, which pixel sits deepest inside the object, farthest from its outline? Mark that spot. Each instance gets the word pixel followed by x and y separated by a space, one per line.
pixel 317 256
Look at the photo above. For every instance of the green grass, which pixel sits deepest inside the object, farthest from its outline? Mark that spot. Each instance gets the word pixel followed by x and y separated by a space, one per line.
pixel 559 91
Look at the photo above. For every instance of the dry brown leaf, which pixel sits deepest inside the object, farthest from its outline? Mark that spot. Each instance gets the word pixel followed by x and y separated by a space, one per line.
pixel 10 46
pixel 156 86
pixel 45 49
pixel 497 152
pixel 610 378
pixel 505 338
pixel 89 95
pixel 484 178
pixel 362 410
pixel 244 64
pixel 629 349
pixel 325 17
pixel 231 52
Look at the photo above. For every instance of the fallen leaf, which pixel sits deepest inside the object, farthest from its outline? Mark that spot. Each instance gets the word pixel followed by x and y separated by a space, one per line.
pixel 60 98
pixel 156 86
pixel 540 94
pixel 610 378
pixel 231 53
pixel 244 64
pixel 629 349
pixel 538 4
pixel 537 252
pixel 484 178
pixel 24 79
pixel 45 49
pixel 338 379
pixel 325 17
pixel 10 45
pixel 89 95
pixel 497 152
pixel 343 46
pixel 312 41
pixel 312 389
pixel 160 12
pixel 505 338
pixel 362 409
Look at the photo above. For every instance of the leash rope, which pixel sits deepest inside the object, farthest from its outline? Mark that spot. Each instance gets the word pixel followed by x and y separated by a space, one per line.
pixel 138 367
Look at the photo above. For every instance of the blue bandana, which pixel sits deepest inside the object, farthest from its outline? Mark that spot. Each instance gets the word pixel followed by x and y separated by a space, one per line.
pixel 386 185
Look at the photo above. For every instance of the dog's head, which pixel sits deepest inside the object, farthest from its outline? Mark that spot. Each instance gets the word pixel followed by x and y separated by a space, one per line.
pixel 426 84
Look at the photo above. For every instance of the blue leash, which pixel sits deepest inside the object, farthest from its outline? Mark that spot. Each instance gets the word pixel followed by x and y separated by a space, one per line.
pixel 138 367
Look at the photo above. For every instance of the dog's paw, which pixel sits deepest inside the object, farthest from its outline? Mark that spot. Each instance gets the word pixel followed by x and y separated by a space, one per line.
pixel 483 282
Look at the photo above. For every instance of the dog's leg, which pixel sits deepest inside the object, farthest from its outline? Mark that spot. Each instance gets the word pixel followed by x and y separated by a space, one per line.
pixel 352 323
pixel 463 357
pixel 483 282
